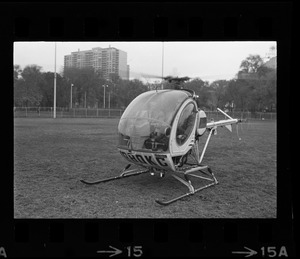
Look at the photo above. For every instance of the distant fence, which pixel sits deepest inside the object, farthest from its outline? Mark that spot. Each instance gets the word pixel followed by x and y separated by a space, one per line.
pixel 47 112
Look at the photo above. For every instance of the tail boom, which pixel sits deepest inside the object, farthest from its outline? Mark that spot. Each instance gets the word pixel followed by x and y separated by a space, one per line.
pixel 226 123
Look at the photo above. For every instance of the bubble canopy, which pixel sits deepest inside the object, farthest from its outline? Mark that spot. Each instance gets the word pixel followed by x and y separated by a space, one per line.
pixel 146 123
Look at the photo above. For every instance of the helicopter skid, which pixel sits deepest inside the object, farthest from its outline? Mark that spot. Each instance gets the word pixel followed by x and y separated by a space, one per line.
pixel 124 173
pixel 187 182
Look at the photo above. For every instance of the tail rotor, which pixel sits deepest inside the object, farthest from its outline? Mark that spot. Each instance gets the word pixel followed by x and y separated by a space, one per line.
pixel 244 124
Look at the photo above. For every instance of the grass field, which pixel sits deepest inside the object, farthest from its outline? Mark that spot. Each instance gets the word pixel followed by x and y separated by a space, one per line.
pixel 51 156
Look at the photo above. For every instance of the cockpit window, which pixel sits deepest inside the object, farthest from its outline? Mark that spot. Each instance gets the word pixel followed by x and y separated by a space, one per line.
pixel 147 121
pixel 186 123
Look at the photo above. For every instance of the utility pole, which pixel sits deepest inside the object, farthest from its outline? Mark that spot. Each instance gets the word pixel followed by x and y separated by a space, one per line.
pixel 104 86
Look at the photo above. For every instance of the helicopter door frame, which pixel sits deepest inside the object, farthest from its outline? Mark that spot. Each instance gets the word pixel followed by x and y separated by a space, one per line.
pixel 174 148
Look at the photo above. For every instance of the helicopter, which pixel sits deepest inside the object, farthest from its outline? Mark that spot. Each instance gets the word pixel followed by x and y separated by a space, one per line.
pixel 160 133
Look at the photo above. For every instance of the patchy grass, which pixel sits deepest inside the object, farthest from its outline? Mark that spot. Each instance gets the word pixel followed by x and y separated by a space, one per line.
pixel 51 156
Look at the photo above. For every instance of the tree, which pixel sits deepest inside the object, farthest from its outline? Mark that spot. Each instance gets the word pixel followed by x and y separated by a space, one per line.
pixel 251 64
pixel 46 88
pixel 114 78
pixel 17 72
pixel 271 90
pixel 19 92
pixel 218 89
pixel 87 83
pixel 127 90
pixel 201 88
pixel 27 88
pixel 62 91
pixel 18 88
pixel 256 85
pixel 238 91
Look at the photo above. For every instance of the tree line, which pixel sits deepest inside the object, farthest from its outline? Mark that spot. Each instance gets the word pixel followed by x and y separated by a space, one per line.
pixel 253 89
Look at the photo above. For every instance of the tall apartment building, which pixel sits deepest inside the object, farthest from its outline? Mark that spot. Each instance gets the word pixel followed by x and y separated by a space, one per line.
pixel 107 60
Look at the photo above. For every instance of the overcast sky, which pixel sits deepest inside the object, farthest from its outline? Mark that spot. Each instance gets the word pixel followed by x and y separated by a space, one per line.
pixel 207 60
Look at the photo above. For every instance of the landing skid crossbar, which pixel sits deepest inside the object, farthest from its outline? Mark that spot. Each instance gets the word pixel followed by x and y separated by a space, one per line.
pixel 187 172
pixel 124 173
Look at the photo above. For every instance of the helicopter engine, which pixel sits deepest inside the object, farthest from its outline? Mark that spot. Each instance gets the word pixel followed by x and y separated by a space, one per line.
pixel 201 122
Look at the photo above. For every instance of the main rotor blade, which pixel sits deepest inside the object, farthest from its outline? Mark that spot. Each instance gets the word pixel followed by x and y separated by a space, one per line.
pixel 156 76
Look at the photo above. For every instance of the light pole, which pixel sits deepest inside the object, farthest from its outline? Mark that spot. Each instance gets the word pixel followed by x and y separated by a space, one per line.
pixel 109 100
pixel 112 92
pixel 104 86
pixel 71 97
